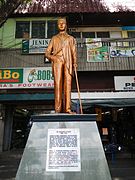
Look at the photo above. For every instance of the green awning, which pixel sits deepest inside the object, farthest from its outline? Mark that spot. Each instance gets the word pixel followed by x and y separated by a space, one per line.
pixel 121 102
pixel 26 97
pixel 118 102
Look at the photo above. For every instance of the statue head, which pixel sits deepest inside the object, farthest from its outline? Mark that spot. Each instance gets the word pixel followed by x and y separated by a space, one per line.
pixel 62 24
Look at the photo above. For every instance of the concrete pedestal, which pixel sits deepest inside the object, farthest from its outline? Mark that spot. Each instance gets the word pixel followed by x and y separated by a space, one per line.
pixel 63 147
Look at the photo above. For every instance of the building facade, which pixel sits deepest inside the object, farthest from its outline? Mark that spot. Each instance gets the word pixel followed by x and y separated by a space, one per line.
pixel 106 64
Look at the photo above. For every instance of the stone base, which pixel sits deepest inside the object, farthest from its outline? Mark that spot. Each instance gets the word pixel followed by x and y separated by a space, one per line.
pixel 63 147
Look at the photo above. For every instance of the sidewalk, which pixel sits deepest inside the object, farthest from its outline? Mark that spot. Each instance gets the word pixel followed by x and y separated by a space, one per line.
pixel 121 168
pixel 9 162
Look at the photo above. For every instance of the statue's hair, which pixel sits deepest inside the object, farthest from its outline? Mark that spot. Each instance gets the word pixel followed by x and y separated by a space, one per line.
pixel 62 18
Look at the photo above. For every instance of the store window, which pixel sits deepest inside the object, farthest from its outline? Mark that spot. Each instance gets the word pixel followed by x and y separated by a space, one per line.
pixel 22 29
pixel 38 29
pixel 75 34
pixel 51 28
pixel 88 34
pixel 103 35
pixel 131 34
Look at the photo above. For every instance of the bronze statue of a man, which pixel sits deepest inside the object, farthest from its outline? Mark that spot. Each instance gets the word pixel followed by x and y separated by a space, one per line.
pixel 61 52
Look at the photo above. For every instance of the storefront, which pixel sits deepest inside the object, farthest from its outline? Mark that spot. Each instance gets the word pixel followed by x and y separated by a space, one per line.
pixel 114 110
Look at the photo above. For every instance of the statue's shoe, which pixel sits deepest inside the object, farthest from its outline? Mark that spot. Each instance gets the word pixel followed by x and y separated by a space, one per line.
pixel 70 112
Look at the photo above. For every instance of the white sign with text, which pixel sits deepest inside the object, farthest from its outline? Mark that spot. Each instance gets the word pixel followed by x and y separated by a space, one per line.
pixel 63 150
pixel 124 83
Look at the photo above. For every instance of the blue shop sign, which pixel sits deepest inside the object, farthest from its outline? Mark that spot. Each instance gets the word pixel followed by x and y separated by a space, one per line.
pixel 128 28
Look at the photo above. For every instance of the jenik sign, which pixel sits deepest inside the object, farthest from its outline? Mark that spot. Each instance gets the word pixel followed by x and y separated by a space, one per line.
pixel 39 77
pixel 34 46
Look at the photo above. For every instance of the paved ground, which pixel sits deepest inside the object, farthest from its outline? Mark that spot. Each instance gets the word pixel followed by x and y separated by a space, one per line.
pixel 9 162
pixel 121 168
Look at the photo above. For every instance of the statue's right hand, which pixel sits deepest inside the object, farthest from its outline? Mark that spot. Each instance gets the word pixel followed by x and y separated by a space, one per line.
pixel 54 59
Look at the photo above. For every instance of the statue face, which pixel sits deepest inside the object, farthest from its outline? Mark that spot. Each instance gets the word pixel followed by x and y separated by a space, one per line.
pixel 62 25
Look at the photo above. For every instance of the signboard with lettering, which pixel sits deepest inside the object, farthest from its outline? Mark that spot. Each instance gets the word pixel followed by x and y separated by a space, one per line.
pixel 128 28
pixel 34 46
pixel 36 77
pixel 124 83
pixel 63 150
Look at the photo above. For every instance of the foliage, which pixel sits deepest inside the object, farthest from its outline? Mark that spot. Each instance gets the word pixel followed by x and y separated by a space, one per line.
pixel 7 7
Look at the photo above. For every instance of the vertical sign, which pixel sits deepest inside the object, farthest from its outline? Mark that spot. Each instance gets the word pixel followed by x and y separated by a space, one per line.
pixel 63 150
pixel 25 46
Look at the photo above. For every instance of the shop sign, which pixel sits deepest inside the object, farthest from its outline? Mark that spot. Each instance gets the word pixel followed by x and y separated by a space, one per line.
pixel 95 51
pixel 125 28
pixel 34 46
pixel 122 51
pixel 36 77
pixel 11 76
pixel 124 83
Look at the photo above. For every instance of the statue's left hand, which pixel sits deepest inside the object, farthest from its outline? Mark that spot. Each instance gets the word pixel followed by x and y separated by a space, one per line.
pixel 75 66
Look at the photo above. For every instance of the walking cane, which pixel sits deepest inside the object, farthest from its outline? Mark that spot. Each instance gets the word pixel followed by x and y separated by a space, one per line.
pixel 78 90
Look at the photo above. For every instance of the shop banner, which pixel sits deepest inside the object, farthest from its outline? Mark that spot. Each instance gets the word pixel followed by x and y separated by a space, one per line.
pixel 122 51
pixel 34 46
pixel 124 83
pixel 95 51
pixel 36 77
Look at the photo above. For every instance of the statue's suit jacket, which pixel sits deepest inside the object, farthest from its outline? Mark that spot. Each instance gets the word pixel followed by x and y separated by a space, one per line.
pixel 68 48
